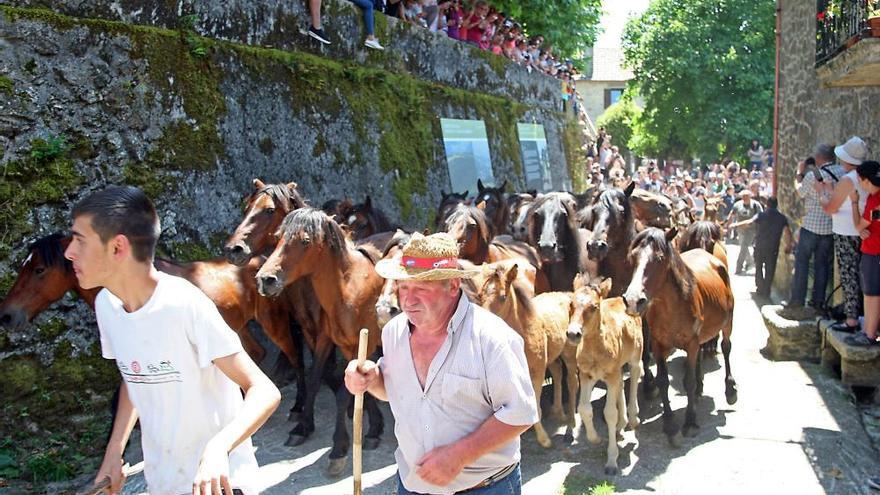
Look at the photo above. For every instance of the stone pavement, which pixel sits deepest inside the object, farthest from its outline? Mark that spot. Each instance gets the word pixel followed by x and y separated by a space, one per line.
pixel 794 430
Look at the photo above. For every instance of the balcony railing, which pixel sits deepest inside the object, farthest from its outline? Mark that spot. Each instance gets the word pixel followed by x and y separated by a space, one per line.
pixel 840 24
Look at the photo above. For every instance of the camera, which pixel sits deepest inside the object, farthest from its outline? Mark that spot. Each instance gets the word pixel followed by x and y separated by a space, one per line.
pixel 875 215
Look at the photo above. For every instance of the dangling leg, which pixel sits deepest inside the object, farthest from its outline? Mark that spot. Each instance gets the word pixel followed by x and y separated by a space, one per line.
pixel 691 428
pixel 556 411
pixel 632 408
pixel 649 387
pixel 614 384
pixel 585 408
pixel 729 382
pixel 341 440
pixel 540 432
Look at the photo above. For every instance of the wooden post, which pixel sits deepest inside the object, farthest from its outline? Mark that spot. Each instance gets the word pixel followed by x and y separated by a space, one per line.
pixel 357 426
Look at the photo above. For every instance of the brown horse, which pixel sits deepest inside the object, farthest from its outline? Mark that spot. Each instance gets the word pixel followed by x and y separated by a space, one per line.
pixel 265 208
pixel 518 206
pixel 46 276
pixel 477 243
pixel 447 204
pixel 651 209
pixel 611 221
pixel 496 207
pixel 542 322
pixel 553 231
pixel 364 220
pixel 688 300
pixel 607 338
pixel 704 235
pixel 313 247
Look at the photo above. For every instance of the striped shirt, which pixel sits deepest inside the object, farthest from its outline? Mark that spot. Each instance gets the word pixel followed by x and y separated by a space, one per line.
pixel 479 371
pixel 815 219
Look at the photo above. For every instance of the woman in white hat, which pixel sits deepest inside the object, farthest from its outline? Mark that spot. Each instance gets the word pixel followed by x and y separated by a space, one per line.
pixel 850 154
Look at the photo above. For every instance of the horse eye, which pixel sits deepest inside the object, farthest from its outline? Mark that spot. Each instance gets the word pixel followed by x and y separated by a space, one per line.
pixel 270 211
pixel 40 270
pixel 305 241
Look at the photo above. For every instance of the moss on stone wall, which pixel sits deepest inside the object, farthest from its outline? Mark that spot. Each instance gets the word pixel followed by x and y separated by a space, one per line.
pixel 46 174
pixel 6 85
pixel 572 142
pixel 496 62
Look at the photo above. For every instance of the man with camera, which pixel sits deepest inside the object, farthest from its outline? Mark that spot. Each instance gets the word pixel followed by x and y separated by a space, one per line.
pixel 815 240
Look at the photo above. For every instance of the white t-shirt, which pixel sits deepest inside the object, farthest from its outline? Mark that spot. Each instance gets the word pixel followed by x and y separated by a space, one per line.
pixel 841 220
pixel 165 352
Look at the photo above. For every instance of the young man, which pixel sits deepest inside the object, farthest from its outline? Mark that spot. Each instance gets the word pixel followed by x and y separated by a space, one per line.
pixel 456 377
pixel 770 225
pixel 181 365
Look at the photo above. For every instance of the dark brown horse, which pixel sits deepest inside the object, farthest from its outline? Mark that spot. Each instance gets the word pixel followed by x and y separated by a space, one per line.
pixel 704 235
pixel 477 243
pixel 610 219
pixel 314 248
pixel 447 204
pixel 687 300
pixel 265 208
pixel 518 205
pixel 496 207
pixel 364 220
pixel 553 230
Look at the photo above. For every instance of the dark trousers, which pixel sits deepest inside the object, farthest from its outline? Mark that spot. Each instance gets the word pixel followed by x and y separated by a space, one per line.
pixel 765 269
pixel 821 249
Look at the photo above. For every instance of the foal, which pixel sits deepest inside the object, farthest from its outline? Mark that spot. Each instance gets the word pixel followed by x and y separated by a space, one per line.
pixel 607 338
pixel 542 322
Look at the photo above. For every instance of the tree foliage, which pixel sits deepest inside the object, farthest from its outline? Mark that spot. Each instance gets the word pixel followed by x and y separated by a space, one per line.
pixel 705 69
pixel 619 120
pixel 569 26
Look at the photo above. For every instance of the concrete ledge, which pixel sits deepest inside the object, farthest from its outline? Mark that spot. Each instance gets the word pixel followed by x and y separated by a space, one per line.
pixel 857 365
pixel 790 340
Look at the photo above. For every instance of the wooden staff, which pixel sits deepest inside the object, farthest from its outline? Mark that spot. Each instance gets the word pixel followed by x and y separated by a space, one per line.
pixel 357 421
pixel 105 483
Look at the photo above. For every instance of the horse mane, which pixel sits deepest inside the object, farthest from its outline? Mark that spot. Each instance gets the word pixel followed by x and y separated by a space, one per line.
pixel 609 199
pixel 568 204
pixel 483 224
pixel 701 235
pixel 281 194
pixel 399 239
pixel 49 249
pixel 682 276
pixel 318 226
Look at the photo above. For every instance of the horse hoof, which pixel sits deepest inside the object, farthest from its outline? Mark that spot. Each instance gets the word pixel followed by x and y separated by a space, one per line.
pixel 611 470
pixel 619 436
pixel 674 440
pixel 371 443
pixel 294 416
pixel 595 440
pixel 731 396
pixel 690 431
pixel 545 442
pixel 295 440
pixel 336 467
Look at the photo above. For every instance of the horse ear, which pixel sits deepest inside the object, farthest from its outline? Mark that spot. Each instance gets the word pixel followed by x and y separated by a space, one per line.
pixel 481 205
pixel 291 186
pixel 368 203
pixel 258 184
pixel 580 280
pixel 629 189
pixel 467 193
pixel 480 185
pixel 533 192
pixel 671 233
pixel 512 273
pixel 443 193
pixel 605 287
pixel 426 232
pixel 504 185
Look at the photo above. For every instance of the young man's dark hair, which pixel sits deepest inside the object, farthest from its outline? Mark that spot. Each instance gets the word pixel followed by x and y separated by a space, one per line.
pixel 123 210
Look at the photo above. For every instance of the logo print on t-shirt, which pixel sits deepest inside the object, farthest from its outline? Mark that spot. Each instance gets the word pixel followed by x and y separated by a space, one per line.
pixel 163 372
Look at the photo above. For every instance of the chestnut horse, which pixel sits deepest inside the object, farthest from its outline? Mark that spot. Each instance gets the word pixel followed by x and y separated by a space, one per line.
pixel 542 322
pixel 496 207
pixel 704 235
pixel 687 300
pixel 554 232
pixel 364 220
pixel 314 248
pixel 477 243
pixel 607 338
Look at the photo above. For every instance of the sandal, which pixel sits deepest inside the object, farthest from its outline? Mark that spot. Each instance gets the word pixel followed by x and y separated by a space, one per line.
pixel 861 340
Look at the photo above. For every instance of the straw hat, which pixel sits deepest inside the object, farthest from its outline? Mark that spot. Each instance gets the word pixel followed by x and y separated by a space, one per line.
pixel 854 151
pixel 433 257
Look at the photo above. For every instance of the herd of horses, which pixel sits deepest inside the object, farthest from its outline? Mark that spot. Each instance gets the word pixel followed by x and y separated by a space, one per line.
pixel 596 284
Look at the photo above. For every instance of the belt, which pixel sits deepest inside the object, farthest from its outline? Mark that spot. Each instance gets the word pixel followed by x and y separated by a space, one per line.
pixel 500 475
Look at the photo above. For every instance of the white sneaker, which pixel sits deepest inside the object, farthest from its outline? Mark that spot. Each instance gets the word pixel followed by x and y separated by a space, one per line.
pixel 374 44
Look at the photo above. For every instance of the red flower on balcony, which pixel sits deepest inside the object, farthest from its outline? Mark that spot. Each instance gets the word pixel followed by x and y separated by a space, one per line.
pixel 820 16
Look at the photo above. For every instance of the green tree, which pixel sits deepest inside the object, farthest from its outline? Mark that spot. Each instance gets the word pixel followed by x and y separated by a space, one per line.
pixel 569 26
pixel 618 121
pixel 705 70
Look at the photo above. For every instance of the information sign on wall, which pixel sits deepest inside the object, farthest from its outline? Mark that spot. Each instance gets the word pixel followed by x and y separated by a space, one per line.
pixel 467 154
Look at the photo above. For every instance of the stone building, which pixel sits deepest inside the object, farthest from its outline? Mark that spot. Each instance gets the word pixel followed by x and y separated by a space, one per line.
pixel 825 102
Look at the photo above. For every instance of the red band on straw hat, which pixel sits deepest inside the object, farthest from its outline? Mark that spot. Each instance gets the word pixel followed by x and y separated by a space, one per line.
pixel 428 263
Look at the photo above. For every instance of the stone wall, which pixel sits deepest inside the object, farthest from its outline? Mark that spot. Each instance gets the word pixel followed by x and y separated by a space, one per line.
pixel 810 113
